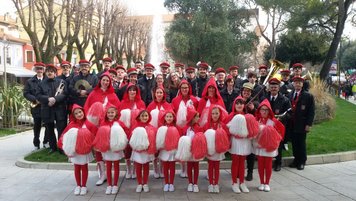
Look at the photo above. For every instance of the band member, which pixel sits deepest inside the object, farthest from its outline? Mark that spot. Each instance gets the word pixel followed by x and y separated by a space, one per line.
pixel 252 78
pixel 132 74
pixel 263 70
pixel 51 94
pixel 107 62
pixel 303 111
pixel 287 86
pixel 234 72
pixel 191 77
pixel 29 93
pixel 66 68
pixel 220 75
pixel 229 93
pixel 80 91
pixel 121 72
pixel 138 67
pixel 179 69
pixel 279 104
pixel 202 79
pixel 297 72
pixel 147 81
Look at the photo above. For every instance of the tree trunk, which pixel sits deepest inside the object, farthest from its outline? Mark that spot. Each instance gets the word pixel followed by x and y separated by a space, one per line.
pixel 342 16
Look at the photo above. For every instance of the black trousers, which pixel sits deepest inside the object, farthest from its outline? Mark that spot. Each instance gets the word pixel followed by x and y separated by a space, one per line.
pixel 60 125
pixel 37 124
pixel 299 148
pixel 278 160
pixel 250 162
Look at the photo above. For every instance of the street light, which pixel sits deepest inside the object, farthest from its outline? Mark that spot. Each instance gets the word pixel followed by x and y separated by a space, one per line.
pixel 5 49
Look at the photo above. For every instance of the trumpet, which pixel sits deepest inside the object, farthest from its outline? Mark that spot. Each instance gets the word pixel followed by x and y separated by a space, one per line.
pixel 60 89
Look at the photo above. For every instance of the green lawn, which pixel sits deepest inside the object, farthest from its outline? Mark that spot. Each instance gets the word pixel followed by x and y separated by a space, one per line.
pixel 43 156
pixel 5 132
pixel 336 135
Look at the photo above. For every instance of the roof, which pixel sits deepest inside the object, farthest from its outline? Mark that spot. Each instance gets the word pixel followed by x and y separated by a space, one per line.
pixel 19 72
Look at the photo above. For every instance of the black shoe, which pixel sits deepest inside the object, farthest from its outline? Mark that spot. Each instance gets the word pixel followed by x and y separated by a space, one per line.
pixel 249 176
pixel 61 151
pixel 277 168
pixel 52 151
pixel 293 165
pixel 300 167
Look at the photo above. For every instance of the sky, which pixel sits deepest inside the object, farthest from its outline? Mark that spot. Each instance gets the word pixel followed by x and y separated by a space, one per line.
pixel 150 7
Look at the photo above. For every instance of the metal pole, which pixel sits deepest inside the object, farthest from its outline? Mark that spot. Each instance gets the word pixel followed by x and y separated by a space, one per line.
pixel 5 76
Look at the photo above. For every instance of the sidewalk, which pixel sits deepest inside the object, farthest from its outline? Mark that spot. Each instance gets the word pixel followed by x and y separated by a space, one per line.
pixel 317 182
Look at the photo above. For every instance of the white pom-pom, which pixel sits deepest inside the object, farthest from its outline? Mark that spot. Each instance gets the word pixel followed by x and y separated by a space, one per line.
pixel 184 146
pixel 118 138
pixel 70 141
pixel 204 117
pixel 161 136
pixel 125 117
pixel 210 140
pixel 95 112
pixel 238 126
pixel 182 114
pixel 154 118
pixel 139 139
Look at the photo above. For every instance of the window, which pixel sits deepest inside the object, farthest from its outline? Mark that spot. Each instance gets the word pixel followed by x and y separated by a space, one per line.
pixel 29 56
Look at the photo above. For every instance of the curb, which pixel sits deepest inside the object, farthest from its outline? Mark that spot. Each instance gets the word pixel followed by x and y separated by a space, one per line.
pixel 312 160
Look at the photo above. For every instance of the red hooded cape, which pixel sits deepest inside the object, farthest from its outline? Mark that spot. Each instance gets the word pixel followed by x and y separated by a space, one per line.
pixel 127 104
pixel 217 100
pixel 176 101
pixel 233 111
pixel 98 95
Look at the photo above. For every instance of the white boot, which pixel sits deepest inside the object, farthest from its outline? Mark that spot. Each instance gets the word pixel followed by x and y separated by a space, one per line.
pixel 101 172
pixel 155 168
pixel 128 169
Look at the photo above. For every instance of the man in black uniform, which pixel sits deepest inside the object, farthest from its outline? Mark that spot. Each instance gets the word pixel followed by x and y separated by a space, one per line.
pixel 107 63
pixel 229 93
pixel 234 72
pixel 279 104
pixel 179 69
pixel 138 66
pixel 82 84
pixel 148 81
pixel 297 72
pixel 263 70
pixel 303 111
pixel 51 94
pixel 29 93
pixel 220 75
pixel 191 78
pixel 287 86
pixel 165 72
pixel 202 79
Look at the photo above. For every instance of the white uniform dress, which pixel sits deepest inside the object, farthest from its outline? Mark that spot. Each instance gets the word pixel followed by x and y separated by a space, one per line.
pixel 241 146
pixel 82 159
pixel 141 157
pixel 113 156
pixel 167 155
pixel 261 151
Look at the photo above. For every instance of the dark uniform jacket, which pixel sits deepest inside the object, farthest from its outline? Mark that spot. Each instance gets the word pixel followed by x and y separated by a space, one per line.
pixel 279 106
pixel 29 93
pixel 286 88
pixel 148 84
pixel 201 82
pixel 46 89
pixel 303 112
pixel 229 98
pixel 238 83
pixel 194 84
pixel 74 93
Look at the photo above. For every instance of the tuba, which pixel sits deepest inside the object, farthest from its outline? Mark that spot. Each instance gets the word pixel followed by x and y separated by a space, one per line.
pixel 308 76
pixel 276 66
pixel 82 85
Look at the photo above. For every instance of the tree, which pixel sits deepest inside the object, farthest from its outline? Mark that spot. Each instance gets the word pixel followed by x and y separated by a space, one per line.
pixel 207 31
pixel 50 16
pixel 277 15
pixel 348 52
pixel 310 47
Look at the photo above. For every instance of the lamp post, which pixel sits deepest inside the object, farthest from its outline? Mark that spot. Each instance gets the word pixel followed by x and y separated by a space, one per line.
pixel 6 45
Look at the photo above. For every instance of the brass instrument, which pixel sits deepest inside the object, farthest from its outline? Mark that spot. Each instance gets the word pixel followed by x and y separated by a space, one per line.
pixel 275 67
pixel 308 76
pixel 82 85
pixel 279 116
pixel 60 88
pixel 34 104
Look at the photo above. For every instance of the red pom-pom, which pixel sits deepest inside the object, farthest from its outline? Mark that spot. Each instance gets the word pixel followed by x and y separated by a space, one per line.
pixel 269 138
pixel 84 141
pixel 95 113
pixel 172 138
pixel 222 143
pixel 252 126
pixel 199 147
pixel 151 132
pixel 102 139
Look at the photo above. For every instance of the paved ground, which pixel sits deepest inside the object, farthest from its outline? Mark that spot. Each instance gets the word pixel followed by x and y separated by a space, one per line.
pixel 317 182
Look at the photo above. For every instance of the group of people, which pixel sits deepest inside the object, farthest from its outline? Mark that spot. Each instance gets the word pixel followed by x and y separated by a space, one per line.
pixel 170 117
